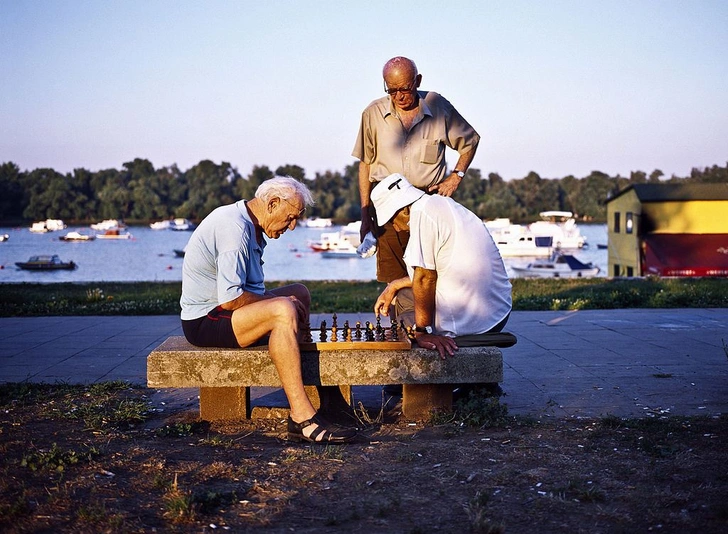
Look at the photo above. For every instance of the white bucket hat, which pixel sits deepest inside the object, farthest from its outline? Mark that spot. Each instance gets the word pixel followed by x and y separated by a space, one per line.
pixel 391 195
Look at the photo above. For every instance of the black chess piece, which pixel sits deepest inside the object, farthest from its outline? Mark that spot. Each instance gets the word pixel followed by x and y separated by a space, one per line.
pixel 322 335
pixel 357 332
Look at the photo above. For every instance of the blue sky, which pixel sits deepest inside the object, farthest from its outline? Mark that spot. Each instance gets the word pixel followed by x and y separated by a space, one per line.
pixel 555 87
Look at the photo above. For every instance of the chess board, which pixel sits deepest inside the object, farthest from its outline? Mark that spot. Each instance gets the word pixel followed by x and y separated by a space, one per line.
pixel 367 336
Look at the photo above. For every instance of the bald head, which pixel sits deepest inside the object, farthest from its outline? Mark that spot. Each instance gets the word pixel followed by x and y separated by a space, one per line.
pixel 400 66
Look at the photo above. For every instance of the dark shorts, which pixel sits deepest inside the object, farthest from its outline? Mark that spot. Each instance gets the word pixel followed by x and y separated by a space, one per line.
pixel 213 330
pixel 390 251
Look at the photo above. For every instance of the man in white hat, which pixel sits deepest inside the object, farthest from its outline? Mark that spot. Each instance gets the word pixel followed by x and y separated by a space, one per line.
pixel 457 284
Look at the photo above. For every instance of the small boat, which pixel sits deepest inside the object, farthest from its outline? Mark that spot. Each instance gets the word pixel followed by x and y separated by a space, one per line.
pixel 4 237
pixel 558 266
pixel 181 225
pixel 45 263
pixel 76 236
pixel 179 253
pixel 316 222
pixel 348 236
pixel 108 224
pixel 160 225
pixel 343 250
pixel 49 225
pixel 114 234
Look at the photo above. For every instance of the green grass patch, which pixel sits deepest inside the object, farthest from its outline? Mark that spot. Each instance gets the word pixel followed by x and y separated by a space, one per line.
pixel 162 298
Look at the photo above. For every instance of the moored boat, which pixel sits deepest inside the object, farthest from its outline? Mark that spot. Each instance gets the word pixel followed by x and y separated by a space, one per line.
pixel 316 222
pixel 181 225
pixel 4 237
pixel 559 265
pixel 114 233
pixel 49 225
pixel 108 224
pixel 76 236
pixel 49 262
pixel 348 236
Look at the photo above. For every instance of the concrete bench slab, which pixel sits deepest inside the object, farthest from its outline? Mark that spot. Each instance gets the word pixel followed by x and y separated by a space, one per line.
pixel 224 376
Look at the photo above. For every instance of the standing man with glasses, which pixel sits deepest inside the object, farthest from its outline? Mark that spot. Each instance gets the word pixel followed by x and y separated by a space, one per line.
pixel 407 132
pixel 225 303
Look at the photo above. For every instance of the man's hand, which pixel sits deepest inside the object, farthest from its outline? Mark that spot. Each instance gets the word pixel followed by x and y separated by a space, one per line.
pixel 447 187
pixel 384 301
pixel 442 344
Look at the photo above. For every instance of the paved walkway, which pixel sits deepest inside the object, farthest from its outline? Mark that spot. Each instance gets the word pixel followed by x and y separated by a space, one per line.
pixel 566 364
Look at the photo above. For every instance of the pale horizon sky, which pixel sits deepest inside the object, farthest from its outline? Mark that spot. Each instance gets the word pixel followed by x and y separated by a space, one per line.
pixel 555 87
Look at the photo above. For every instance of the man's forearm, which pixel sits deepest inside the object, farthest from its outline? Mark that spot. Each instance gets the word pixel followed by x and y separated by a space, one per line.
pixel 424 284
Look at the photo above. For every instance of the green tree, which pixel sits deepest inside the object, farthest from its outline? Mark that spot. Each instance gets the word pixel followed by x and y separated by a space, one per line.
pixel 13 197
pixel 209 186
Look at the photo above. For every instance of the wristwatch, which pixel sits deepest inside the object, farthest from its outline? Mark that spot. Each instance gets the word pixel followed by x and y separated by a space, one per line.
pixel 423 329
pixel 461 174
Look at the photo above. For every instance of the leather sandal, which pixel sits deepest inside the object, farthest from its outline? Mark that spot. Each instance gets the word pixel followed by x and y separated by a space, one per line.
pixel 324 432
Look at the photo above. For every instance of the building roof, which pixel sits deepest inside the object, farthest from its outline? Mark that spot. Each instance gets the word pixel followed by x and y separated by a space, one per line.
pixel 675 192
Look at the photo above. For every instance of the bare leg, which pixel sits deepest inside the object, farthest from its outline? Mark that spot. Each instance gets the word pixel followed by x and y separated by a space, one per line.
pixel 279 318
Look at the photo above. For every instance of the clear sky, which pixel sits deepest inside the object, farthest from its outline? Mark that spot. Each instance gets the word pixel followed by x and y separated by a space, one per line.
pixel 555 87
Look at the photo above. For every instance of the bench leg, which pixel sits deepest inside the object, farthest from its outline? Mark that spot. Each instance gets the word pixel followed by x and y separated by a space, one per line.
pixel 419 400
pixel 224 403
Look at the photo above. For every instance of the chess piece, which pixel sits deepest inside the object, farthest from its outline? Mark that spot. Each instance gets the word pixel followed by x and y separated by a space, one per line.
pixel 357 332
pixel 322 335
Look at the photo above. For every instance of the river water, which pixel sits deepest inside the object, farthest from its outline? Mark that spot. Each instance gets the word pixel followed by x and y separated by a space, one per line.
pixel 149 256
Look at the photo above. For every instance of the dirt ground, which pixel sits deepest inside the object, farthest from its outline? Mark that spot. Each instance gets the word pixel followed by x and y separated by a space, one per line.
pixel 77 459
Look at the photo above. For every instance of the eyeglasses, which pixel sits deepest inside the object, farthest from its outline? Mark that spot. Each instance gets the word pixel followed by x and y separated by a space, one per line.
pixel 301 213
pixel 410 88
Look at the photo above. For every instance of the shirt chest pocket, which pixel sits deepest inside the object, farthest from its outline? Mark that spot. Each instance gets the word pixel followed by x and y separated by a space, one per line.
pixel 431 152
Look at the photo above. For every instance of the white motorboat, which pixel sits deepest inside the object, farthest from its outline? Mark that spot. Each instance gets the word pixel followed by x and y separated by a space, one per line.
pixel 160 225
pixel 342 250
pixel 562 227
pixel 76 236
pixel 114 233
pixel 316 222
pixel 107 224
pixel 181 225
pixel 557 229
pixel 49 225
pixel 559 265
pixel 348 236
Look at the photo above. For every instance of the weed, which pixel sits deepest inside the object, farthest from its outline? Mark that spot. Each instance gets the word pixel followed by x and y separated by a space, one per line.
pixel 95 294
pixel 479 410
pixel 217 441
pixel 57 459
pixel 180 430
pixel 476 512
pixel 178 504
pixel 14 509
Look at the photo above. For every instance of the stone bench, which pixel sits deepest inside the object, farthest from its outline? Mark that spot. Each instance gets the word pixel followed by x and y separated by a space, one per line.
pixel 225 376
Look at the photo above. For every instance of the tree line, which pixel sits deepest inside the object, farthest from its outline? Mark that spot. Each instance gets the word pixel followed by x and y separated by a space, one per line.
pixel 140 193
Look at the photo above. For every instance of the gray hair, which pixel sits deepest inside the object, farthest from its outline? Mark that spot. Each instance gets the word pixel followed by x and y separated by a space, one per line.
pixel 284 187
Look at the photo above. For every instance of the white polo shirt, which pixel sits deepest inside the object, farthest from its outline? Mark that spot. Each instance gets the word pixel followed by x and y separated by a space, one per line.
pixel 222 260
pixel 473 291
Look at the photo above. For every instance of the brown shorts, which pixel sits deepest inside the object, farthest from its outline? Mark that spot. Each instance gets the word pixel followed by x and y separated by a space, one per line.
pixel 390 251
pixel 213 330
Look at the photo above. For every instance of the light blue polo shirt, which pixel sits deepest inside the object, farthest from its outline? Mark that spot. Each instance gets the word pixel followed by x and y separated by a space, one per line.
pixel 222 261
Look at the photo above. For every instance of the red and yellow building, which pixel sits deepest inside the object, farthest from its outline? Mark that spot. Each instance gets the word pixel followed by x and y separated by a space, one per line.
pixel 669 230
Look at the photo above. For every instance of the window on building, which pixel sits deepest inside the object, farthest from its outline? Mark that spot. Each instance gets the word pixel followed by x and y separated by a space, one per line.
pixel 630 271
pixel 616 222
pixel 616 270
pixel 629 223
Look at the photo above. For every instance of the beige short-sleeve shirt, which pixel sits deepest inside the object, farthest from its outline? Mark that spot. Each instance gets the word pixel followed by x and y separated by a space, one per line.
pixel 418 154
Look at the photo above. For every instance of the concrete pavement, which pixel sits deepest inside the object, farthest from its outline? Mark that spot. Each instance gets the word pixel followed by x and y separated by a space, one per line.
pixel 628 363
